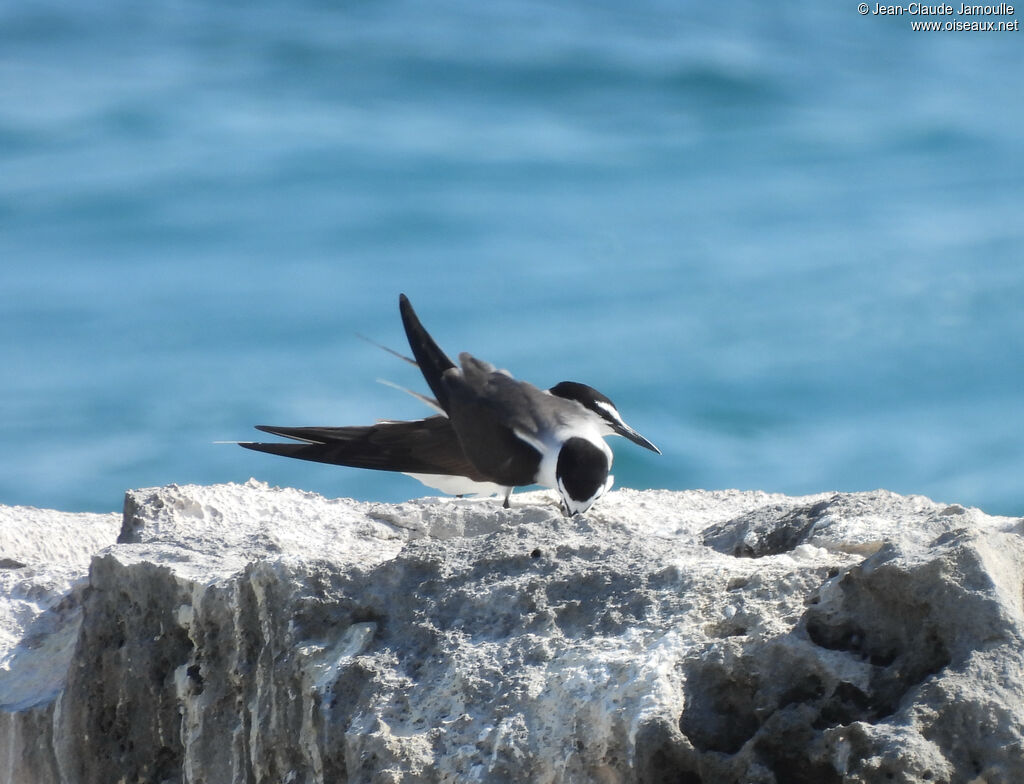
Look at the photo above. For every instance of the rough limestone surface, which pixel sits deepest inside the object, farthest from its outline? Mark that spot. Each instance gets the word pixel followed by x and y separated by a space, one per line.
pixel 241 633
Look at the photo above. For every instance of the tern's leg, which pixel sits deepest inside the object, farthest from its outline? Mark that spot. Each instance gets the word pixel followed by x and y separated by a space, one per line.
pixel 508 493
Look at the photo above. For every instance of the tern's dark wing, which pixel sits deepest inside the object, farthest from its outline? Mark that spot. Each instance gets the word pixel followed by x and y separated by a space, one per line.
pixel 491 412
pixel 432 360
pixel 518 405
pixel 487 407
pixel 422 446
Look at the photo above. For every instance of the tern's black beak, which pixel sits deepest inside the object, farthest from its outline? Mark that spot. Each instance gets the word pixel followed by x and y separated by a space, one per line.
pixel 626 431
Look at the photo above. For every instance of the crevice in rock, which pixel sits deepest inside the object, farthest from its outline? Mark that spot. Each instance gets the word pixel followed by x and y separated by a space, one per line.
pixel 766 531
pixel 765 706
pixel 135 646
pixel 879 622
pixel 663 757
pixel 793 753
pixel 719 713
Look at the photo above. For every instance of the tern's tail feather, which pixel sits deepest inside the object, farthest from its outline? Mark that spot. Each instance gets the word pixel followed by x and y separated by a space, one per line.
pixel 423 446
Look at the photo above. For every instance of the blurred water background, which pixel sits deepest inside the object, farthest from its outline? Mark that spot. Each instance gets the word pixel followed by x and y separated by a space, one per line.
pixel 785 238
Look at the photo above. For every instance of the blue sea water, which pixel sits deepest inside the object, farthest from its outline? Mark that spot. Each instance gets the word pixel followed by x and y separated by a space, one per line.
pixel 785 238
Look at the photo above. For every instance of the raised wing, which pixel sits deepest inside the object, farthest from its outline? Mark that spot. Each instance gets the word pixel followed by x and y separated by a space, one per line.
pixel 433 362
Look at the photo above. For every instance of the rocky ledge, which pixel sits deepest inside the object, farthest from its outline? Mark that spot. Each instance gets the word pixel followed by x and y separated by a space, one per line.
pixel 239 633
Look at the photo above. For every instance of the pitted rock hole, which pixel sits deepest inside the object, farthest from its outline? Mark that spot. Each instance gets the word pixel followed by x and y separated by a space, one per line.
pixel 877 620
pixel 768 708
pixel 663 757
pixel 765 531
pixel 719 713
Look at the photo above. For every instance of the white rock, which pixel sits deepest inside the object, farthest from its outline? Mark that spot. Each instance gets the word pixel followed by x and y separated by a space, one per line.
pixel 244 633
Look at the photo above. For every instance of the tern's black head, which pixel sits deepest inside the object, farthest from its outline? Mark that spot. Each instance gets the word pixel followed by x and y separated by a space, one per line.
pixel 586 396
pixel 604 408
pixel 582 474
